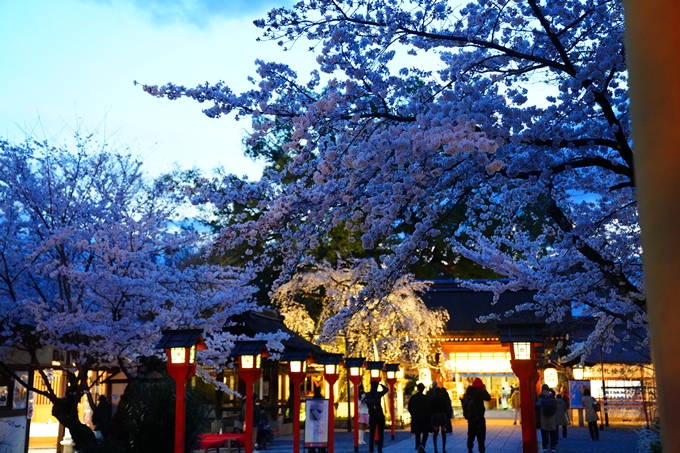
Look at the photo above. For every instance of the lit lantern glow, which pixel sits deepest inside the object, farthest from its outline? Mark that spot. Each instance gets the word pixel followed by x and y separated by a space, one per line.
pixel 550 377
pixel 248 361
pixel 297 366
pixel 375 374
pixel 522 350
pixel 578 373
pixel 354 371
pixel 178 355
pixel 330 369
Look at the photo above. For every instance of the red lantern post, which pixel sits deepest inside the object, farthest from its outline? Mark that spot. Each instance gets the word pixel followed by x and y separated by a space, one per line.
pixel 249 355
pixel 521 338
pixel 354 367
pixel 180 347
pixel 297 371
pixel 331 363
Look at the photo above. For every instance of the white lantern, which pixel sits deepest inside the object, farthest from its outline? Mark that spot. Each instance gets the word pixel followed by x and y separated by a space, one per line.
pixel 522 350
pixel 550 377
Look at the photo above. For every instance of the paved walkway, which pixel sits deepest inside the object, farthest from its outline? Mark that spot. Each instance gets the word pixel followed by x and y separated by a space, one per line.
pixel 502 437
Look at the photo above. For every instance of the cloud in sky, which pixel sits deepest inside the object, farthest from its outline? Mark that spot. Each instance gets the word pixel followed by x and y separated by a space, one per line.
pixel 197 12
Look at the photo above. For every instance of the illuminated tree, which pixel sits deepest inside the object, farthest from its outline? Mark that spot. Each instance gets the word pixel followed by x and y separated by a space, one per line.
pixel 523 122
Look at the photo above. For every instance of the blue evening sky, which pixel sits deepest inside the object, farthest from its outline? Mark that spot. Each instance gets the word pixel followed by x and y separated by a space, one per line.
pixel 70 62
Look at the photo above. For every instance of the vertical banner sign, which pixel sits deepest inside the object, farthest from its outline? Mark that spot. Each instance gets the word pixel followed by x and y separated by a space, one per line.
pixel 316 424
pixel 20 394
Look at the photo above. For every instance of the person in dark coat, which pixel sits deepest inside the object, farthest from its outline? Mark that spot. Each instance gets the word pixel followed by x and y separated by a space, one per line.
pixel 477 422
pixel 419 408
pixel 449 413
pixel 440 407
pixel 561 418
pixel 548 424
pixel 376 416
pixel 432 391
pixel 101 417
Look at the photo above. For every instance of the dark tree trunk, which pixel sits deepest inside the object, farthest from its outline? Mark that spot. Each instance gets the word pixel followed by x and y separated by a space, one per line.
pixel 65 410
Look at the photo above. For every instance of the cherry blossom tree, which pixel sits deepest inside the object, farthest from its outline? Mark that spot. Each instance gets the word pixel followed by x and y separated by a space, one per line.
pixel 93 262
pixel 524 118
pixel 317 304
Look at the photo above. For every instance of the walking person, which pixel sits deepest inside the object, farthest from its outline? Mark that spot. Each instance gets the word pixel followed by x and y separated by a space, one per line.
pixel 376 416
pixel 562 416
pixel 473 411
pixel 504 396
pixel 548 424
pixel 592 418
pixel 516 402
pixel 439 408
pixel 363 416
pixel 419 408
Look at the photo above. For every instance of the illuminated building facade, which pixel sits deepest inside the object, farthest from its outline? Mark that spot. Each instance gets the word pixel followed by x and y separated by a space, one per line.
pixel 471 349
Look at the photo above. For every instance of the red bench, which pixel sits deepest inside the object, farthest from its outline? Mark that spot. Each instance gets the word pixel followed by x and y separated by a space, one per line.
pixel 215 441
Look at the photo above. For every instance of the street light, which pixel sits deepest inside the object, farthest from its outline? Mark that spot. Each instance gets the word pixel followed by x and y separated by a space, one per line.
pixel 391 370
pixel 249 354
pixel 354 367
pixel 331 363
pixel 374 369
pixel 522 339
pixel 297 371
pixel 180 347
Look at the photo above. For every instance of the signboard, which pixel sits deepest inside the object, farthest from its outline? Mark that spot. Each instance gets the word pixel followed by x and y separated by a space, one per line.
pixel 316 423
pixel 20 393
pixel 576 389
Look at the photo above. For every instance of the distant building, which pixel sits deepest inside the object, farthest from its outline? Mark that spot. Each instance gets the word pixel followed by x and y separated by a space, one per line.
pixel 472 349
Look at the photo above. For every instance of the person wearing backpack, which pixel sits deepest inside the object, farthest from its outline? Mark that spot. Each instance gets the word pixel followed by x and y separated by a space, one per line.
pixel 473 411
pixel 548 408
pixel 376 416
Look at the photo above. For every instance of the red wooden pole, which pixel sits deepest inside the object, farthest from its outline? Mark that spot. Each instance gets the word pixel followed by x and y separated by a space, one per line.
pixel 296 379
pixel 250 415
pixel 249 375
pixel 331 379
pixel 180 414
pixel 355 381
pixel 652 41
pixel 180 374
pixel 390 382
pixel 525 370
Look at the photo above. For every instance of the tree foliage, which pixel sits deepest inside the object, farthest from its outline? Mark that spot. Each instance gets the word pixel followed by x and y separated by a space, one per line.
pixel 526 118
pixel 396 327
pixel 94 262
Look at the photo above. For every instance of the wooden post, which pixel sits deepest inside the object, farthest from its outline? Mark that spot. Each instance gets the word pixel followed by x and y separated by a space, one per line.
pixel 652 43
